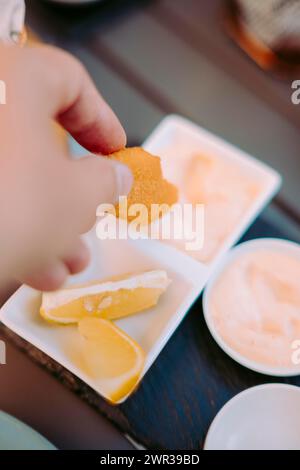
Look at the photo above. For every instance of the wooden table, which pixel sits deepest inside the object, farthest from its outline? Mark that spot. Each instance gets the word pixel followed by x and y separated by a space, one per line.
pixel 150 58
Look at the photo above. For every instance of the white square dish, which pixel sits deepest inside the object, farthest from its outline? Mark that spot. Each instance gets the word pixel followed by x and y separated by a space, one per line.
pixel 177 139
pixel 152 328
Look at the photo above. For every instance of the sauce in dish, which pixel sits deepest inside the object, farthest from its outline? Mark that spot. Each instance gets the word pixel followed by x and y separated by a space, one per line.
pixel 255 306
pixel 226 192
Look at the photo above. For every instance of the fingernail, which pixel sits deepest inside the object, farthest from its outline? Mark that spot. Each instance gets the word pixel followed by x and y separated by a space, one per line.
pixel 124 178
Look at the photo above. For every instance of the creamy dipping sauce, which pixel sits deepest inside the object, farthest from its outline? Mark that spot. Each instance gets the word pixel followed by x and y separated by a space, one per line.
pixel 226 192
pixel 255 306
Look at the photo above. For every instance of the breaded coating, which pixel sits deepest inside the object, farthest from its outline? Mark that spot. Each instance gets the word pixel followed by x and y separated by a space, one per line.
pixel 149 186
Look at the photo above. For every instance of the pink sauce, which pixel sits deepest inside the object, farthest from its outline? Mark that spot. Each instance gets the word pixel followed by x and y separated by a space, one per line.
pixel 226 192
pixel 255 306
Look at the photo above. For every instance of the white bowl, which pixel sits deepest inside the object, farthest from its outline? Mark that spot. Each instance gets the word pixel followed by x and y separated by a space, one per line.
pixel 249 246
pixel 266 417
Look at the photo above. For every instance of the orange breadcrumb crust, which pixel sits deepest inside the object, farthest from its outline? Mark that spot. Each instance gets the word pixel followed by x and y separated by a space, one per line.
pixel 149 186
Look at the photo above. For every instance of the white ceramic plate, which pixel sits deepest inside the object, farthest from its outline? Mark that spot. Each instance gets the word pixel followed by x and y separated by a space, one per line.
pixel 152 328
pixel 276 244
pixel 176 139
pixel 266 417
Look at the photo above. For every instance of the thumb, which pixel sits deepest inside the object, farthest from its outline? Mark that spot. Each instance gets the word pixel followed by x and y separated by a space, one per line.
pixel 98 180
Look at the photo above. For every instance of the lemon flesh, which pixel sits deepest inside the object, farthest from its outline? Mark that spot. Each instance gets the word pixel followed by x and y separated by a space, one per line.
pixel 110 357
pixel 110 299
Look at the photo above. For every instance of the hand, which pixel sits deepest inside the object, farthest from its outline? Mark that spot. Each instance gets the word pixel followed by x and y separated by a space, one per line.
pixel 47 199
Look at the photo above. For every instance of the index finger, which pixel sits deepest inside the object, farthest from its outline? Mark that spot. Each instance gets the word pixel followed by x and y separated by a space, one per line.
pixel 78 106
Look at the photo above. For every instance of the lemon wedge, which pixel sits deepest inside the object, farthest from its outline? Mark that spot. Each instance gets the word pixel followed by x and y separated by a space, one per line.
pixel 110 357
pixel 110 299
